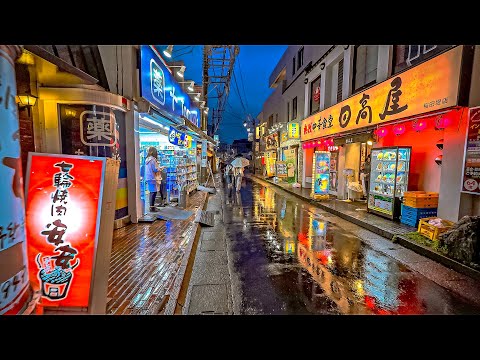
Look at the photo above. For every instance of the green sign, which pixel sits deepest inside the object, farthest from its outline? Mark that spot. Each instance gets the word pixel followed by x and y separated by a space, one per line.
pixel 291 162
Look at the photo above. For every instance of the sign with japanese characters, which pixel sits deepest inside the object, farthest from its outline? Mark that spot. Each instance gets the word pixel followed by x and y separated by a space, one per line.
pixel 321 176
pixel 291 162
pixel 159 87
pixel 283 137
pixel 176 137
pixel 471 171
pixel 430 86
pixel 64 195
pixel 14 289
pixel 271 141
pixel 293 130
pixel 281 169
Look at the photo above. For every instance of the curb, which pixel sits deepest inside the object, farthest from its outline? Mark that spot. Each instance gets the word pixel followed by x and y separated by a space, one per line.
pixel 444 260
pixel 175 292
pixel 401 240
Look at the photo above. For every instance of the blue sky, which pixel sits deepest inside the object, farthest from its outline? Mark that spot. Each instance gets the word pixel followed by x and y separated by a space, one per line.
pixel 252 69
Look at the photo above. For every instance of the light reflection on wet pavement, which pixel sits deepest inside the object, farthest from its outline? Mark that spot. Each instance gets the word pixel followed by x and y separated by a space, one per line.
pixel 292 258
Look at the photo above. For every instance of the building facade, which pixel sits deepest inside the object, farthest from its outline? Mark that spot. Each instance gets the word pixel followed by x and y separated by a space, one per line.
pixel 415 97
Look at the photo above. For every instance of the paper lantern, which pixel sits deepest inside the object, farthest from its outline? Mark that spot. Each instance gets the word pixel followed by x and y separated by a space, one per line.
pixel 382 132
pixel 399 129
pixel 419 125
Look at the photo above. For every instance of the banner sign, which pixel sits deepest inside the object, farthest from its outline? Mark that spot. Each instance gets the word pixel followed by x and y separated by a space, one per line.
pixel 64 198
pixel 321 167
pixel 159 87
pixel 294 131
pixel 176 137
pixel 283 137
pixel 471 169
pixel 281 169
pixel 271 141
pixel 14 289
pixel 291 161
pixel 430 86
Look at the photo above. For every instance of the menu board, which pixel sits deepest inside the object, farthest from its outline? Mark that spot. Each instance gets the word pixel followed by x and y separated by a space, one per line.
pixel 321 177
pixel 471 169
pixel 281 169
pixel 291 160
pixel 333 170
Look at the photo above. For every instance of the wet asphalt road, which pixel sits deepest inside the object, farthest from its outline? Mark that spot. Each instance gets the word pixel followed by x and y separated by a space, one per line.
pixel 289 257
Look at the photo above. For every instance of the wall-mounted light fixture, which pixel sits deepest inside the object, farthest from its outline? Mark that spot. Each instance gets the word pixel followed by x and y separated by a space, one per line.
pixel 168 51
pixel 26 100
pixel 190 86
pixel 180 71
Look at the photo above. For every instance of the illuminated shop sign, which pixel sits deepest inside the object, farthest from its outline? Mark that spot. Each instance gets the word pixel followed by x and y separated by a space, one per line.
pixel 271 141
pixel 176 137
pixel 159 87
pixel 430 86
pixel 64 194
pixel 294 131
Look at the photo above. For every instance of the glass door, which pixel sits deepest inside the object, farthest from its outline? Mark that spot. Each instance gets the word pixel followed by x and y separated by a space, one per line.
pixel 382 181
pixel 403 169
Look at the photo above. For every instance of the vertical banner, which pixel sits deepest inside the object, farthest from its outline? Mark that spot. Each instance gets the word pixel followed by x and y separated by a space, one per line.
pixel 14 293
pixel 64 197
pixel 291 161
pixel 471 169
pixel 321 167
pixel 204 153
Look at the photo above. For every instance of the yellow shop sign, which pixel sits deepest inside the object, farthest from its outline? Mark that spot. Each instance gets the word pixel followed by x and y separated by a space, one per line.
pixel 427 87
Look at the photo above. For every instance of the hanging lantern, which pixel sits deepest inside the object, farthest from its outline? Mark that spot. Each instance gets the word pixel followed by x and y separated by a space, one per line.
pixel 441 122
pixel 382 132
pixel 419 125
pixel 399 129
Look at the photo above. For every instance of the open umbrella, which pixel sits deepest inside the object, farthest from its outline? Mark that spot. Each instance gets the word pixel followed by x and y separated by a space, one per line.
pixel 240 162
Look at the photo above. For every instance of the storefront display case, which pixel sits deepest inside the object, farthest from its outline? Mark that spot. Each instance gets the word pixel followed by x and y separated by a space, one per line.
pixel 390 167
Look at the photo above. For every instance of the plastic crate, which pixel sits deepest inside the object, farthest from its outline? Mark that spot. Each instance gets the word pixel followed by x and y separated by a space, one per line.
pixel 420 199
pixel 432 232
pixel 411 216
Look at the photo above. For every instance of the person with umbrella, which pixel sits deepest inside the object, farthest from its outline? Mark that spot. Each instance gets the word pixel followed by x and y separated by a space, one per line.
pixel 238 164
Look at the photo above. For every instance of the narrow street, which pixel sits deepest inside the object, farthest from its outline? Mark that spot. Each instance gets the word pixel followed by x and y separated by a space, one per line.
pixel 289 257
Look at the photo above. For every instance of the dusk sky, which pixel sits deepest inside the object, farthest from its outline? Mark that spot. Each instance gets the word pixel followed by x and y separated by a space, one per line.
pixel 252 69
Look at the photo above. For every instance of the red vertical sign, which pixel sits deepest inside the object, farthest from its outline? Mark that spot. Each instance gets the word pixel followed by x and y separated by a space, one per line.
pixel 471 170
pixel 62 213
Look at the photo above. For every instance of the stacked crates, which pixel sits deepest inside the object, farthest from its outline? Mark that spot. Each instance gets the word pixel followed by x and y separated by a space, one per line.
pixel 411 216
pixel 420 199
pixel 418 205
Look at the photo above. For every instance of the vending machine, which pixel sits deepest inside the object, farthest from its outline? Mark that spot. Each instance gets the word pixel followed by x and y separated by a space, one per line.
pixel 390 167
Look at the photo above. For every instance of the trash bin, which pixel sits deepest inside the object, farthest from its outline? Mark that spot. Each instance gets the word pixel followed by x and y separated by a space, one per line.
pixel 182 197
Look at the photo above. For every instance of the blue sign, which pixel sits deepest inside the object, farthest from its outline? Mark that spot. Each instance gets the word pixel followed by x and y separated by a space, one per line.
pixel 176 137
pixel 159 87
pixel 321 168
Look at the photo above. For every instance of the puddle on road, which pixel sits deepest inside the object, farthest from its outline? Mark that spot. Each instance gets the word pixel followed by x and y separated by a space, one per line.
pixel 293 258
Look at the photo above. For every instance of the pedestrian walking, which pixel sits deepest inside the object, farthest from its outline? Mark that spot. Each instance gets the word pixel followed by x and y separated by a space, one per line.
pixel 152 168
pixel 228 173
pixel 238 176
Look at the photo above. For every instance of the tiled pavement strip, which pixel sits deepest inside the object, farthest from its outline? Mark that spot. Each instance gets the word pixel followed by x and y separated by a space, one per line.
pixel 146 259
pixel 209 288
pixel 465 286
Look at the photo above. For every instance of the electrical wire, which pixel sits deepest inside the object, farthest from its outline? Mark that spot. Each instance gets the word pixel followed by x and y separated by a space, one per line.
pixel 243 84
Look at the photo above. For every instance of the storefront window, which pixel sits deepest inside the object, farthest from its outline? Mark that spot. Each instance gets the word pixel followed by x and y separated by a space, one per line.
pixel 411 55
pixel 366 59
pixel 315 95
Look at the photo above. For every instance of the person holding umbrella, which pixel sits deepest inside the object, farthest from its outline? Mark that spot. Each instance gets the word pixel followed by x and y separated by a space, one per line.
pixel 238 164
